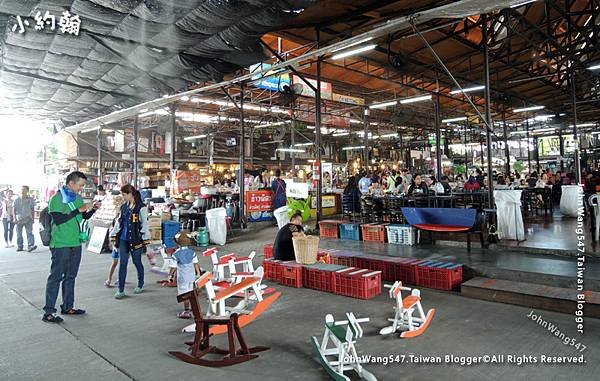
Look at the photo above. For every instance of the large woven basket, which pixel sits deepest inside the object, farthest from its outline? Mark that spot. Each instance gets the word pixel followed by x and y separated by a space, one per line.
pixel 306 249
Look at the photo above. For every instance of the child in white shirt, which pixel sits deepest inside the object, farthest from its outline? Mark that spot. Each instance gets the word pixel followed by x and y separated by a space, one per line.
pixel 185 263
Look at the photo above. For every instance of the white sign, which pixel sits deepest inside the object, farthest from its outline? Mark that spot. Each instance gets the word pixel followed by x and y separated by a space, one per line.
pixel 97 239
pixel 296 190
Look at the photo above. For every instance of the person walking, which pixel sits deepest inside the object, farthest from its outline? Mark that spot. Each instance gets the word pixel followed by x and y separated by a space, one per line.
pixel 131 235
pixel 67 210
pixel 23 215
pixel 278 188
pixel 8 217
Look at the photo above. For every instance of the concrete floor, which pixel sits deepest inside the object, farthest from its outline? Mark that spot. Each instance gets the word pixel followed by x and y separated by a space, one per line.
pixel 129 339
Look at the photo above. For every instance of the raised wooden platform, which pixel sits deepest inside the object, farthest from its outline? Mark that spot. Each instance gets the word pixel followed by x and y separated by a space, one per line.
pixel 531 295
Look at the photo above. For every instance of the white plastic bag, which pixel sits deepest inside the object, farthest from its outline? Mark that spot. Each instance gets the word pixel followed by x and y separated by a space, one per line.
pixel 217 225
pixel 281 215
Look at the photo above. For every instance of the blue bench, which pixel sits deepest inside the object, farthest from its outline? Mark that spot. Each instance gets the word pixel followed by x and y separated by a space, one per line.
pixel 450 220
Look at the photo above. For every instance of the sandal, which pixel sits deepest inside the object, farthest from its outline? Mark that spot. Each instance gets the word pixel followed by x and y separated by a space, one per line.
pixel 187 314
pixel 51 318
pixel 72 311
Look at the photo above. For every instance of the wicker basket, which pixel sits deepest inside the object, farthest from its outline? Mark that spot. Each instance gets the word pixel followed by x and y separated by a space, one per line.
pixel 306 249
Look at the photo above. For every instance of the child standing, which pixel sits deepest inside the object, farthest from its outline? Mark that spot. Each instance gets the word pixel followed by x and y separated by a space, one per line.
pixel 185 263
pixel 113 266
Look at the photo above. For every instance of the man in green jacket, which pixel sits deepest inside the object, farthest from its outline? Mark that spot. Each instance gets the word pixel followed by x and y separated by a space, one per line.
pixel 67 211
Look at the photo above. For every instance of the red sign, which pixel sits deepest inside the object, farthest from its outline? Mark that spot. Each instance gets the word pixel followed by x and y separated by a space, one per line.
pixel 259 201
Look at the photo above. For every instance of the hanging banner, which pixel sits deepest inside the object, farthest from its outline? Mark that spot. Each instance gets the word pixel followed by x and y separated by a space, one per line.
pixel 259 205
pixel 296 190
pixel 326 87
pixel 327 169
pixel 119 141
pixel 348 99
pixel 273 82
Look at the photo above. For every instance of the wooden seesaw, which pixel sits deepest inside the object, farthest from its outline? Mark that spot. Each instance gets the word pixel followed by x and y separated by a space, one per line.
pixel 412 326
pixel 201 344
pixel 217 299
pixel 339 342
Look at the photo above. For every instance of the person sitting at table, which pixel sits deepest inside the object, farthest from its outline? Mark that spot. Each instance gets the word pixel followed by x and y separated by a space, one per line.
pixel 472 184
pixel 501 183
pixel 445 181
pixel 435 186
pixel 418 187
pixel 283 248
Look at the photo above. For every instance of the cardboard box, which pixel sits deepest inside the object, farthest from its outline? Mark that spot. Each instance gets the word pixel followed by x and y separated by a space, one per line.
pixel 155 234
pixel 154 221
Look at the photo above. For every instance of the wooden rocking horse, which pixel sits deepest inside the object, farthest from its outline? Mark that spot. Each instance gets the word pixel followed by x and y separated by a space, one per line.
pixel 249 285
pixel 411 326
pixel 201 344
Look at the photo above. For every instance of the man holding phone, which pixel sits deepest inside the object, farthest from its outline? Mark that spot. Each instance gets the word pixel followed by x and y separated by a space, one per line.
pixel 67 210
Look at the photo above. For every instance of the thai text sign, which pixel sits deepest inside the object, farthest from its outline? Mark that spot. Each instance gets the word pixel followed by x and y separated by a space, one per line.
pixel 259 201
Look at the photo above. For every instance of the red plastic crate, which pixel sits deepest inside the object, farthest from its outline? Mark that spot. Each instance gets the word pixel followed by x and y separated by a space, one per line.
pixel 291 274
pixel 391 270
pixel 440 275
pixel 374 232
pixel 344 261
pixel 317 279
pixel 366 262
pixel 268 250
pixel 405 270
pixel 329 228
pixel 357 283
pixel 273 269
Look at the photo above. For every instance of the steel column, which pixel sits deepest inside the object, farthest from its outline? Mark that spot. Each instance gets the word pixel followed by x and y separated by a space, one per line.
pixel 292 144
pixel 99 150
pixel 488 114
pixel 506 148
pixel 366 136
pixel 135 151
pixel 242 160
pixel 575 137
pixel 438 134
pixel 318 136
pixel 172 153
pixel 528 151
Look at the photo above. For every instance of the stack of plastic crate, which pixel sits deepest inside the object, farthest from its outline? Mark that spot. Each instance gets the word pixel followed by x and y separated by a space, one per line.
pixel 320 276
pixel 357 283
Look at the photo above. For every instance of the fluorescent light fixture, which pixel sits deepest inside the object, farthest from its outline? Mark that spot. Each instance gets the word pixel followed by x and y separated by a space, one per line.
pixel 374 124
pixel 415 99
pixel 395 134
pixel 143 111
pixel 532 108
pixel 290 150
pixel 594 67
pixel 185 98
pixel 354 51
pixel 522 3
pixel 584 125
pixel 544 130
pixel 518 132
pixel 458 119
pixel 596 133
pixel 341 134
pixel 91 129
pixel 353 44
pixel 303 144
pixel 194 137
pixel 352 148
pixel 356 121
pixel 467 89
pixel 270 124
pixel 384 104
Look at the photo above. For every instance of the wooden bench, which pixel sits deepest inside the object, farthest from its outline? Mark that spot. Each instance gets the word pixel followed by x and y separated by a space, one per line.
pixel 201 344
pixel 446 220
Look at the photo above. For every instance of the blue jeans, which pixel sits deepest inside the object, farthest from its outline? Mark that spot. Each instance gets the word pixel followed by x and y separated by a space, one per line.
pixel 136 257
pixel 9 228
pixel 29 231
pixel 64 268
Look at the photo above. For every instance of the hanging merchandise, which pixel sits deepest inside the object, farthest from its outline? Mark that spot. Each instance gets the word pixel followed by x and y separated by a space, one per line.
pixel 316 172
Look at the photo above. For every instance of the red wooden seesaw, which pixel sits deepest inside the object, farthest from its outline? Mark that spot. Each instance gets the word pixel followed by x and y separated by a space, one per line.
pixel 201 344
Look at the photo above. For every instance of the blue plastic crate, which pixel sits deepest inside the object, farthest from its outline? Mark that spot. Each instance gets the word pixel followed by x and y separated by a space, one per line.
pixel 350 231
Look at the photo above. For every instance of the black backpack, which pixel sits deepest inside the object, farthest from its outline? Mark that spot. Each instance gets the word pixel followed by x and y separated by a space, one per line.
pixel 45 226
